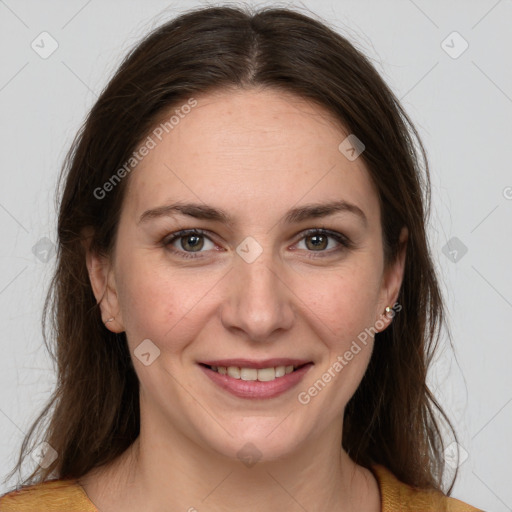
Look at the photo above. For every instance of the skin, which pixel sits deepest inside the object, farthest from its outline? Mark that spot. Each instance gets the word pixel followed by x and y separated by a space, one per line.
pixel 255 153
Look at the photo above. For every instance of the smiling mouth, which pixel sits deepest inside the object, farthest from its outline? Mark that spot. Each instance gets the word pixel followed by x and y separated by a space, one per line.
pixel 256 374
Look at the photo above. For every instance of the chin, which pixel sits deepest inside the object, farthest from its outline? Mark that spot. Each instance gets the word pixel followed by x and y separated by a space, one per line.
pixel 259 441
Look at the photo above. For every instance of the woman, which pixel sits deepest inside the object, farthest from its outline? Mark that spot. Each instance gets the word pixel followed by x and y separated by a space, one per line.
pixel 244 306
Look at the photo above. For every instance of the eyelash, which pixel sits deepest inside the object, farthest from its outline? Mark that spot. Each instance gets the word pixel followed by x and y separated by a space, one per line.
pixel 340 238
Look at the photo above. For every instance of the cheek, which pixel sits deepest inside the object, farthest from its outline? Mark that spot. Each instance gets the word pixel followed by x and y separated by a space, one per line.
pixel 343 312
pixel 146 300
pixel 156 303
pixel 343 301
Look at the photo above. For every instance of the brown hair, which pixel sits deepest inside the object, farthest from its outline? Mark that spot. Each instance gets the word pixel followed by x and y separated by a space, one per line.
pixel 93 415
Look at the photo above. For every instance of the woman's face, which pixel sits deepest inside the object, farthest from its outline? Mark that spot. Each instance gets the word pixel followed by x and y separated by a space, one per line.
pixel 255 290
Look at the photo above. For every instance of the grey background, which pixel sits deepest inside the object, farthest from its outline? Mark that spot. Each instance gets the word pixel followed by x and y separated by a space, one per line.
pixel 461 106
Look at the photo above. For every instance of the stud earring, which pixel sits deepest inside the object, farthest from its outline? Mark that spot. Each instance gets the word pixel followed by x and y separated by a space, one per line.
pixel 109 320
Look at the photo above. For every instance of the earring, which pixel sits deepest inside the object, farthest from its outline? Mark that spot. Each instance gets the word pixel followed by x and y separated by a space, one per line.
pixel 389 311
pixel 109 320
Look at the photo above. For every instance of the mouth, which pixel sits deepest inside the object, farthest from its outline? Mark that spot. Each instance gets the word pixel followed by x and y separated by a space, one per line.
pixel 256 379
pixel 251 373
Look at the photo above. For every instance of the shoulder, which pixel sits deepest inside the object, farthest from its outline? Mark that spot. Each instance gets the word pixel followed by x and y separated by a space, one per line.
pixel 49 496
pixel 395 495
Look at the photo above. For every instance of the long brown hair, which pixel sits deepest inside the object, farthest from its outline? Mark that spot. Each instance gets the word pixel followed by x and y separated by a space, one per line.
pixel 93 416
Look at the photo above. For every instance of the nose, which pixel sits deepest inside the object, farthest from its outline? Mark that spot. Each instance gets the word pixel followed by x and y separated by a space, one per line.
pixel 259 302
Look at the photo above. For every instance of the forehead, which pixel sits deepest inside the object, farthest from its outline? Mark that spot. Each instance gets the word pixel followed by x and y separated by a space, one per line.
pixel 256 150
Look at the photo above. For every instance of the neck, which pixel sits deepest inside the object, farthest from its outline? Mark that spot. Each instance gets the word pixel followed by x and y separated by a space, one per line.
pixel 165 469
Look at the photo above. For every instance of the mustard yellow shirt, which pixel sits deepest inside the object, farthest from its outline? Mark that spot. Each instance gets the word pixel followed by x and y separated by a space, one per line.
pixel 69 496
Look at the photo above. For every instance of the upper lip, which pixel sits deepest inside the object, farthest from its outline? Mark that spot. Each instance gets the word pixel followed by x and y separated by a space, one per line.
pixel 251 363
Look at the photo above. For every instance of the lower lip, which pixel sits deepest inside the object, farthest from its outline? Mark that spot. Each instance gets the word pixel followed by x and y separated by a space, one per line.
pixel 254 388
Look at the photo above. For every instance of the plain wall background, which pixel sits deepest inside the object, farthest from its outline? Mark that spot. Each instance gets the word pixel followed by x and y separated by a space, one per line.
pixel 461 106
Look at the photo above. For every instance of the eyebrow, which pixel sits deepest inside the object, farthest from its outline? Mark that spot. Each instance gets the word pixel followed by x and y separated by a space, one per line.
pixel 295 215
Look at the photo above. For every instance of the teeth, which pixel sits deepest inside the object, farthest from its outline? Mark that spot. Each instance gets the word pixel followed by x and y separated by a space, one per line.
pixel 248 373
pixel 266 374
pixel 251 374
pixel 234 372
pixel 281 371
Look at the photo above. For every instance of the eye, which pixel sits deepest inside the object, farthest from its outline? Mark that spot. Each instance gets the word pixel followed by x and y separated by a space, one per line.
pixel 187 241
pixel 318 240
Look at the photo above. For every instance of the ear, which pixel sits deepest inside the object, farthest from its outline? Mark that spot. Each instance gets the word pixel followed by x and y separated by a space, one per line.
pixel 391 283
pixel 103 284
